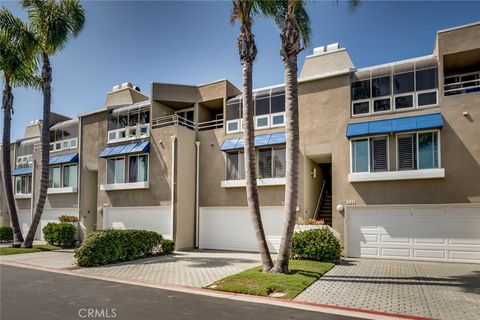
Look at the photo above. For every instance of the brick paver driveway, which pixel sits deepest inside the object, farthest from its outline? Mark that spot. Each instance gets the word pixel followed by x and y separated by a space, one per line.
pixel 438 290
pixel 196 268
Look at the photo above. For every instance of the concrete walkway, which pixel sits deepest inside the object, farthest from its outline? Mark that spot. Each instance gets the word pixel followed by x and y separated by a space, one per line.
pixel 58 259
pixel 438 290
pixel 196 268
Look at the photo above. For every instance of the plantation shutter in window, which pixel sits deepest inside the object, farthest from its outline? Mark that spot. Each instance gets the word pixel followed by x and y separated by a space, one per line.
pixel 279 163
pixel 232 165
pixel 241 166
pixel 360 155
pixel 379 158
pixel 427 150
pixel 407 152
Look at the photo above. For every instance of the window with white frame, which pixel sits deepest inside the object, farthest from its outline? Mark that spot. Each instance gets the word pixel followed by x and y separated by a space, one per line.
pixel 418 150
pixel 128 126
pixel 64 138
pixel 69 175
pixel 269 110
pixel 121 171
pixel 395 90
pixel 63 176
pixel 23 184
pixel 369 154
pixel 271 163
pixel 24 154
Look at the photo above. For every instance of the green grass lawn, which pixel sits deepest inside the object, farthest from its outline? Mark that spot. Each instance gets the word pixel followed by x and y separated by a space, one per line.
pixel 253 281
pixel 5 251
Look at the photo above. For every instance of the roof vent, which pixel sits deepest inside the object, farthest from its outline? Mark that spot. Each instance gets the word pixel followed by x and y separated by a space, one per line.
pixel 319 50
pixel 333 47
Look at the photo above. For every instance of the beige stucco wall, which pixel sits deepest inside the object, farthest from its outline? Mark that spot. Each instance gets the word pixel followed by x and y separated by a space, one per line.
pixel 212 172
pixel 185 189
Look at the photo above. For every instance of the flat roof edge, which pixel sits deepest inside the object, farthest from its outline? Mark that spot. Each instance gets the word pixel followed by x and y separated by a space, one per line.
pixel 459 27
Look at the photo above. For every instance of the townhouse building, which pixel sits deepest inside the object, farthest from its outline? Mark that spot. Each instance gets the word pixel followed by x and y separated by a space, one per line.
pixel 390 157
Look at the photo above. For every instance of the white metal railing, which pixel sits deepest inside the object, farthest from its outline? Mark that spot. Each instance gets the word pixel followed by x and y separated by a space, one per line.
pixel 463 83
pixel 212 124
pixel 172 119
pixel 320 200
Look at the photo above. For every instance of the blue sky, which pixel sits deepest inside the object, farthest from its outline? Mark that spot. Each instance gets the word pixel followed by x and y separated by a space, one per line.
pixel 193 42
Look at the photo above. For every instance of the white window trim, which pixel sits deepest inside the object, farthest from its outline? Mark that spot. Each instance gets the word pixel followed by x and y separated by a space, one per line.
pixel 128 137
pixel 369 152
pixel 61 175
pixel 126 173
pixel 239 125
pixel 148 166
pixel 263 116
pixel 277 114
pixel 416 151
pixel 414 104
pixel 24 160
pixel 125 186
pixel 22 195
pixel 362 114
pixel 62 190
pixel 381 98
pixel 260 182
pixel 397 175
pixel 73 189
pixel 426 91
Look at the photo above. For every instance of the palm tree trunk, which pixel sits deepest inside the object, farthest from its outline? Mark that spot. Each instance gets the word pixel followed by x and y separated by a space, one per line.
pixel 292 156
pixel 7 106
pixel 251 170
pixel 45 142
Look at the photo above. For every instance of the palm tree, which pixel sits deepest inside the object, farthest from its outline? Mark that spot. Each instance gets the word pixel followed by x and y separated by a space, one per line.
pixel 243 12
pixel 293 20
pixel 54 23
pixel 18 64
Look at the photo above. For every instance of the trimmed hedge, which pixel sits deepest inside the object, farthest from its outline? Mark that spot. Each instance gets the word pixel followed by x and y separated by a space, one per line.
pixel 168 246
pixel 316 244
pixel 109 246
pixel 60 234
pixel 65 218
pixel 6 234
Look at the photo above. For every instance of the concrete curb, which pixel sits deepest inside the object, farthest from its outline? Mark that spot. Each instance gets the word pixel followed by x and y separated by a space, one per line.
pixel 302 305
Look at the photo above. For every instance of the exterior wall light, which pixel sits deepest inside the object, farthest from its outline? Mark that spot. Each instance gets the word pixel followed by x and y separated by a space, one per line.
pixel 340 208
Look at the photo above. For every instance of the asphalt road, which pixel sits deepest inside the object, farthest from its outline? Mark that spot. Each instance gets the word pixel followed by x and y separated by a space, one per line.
pixel 33 294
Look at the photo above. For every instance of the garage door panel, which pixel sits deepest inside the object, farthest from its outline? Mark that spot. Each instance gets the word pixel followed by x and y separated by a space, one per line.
pixel 156 219
pixel 230 228
pixel 434 233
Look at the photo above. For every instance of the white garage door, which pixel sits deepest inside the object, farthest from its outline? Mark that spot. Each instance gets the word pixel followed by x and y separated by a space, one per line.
pixel 147 218
pixel 49 215
pixel 440 233
pixel 230 228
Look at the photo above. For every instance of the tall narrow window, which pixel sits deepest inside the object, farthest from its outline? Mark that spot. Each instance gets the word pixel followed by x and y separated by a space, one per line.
pixel 116 170
pixel 279 163
pixel 138 168
pixel 427 150
pixel 407 152
pixel 55 176
pixel 379 157
pixel 70 175
pixel 232 166
pixel 265 163
pixel 360 155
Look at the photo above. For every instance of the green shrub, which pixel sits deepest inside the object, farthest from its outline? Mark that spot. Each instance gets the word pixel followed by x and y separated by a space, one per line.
pixel 60 234
pixel 66 218
pixel 315 244
pixel 110 246
pixel 168 246
pixel 6 234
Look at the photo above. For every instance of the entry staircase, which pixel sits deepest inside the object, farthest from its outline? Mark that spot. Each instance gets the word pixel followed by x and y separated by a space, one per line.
pixel 326 209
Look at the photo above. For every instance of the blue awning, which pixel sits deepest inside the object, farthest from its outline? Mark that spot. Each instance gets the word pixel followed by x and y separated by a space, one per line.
pixel 136 147
pixel 415 123
pixel 269 139
pixel 64 158
pixel 21 171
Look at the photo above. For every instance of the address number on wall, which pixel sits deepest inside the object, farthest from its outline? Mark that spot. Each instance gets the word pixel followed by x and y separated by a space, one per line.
pixel 350 202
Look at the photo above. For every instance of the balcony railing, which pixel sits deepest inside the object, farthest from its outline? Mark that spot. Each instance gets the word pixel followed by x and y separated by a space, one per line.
pixel 463 83
pixel 173 120
pixel 212 124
